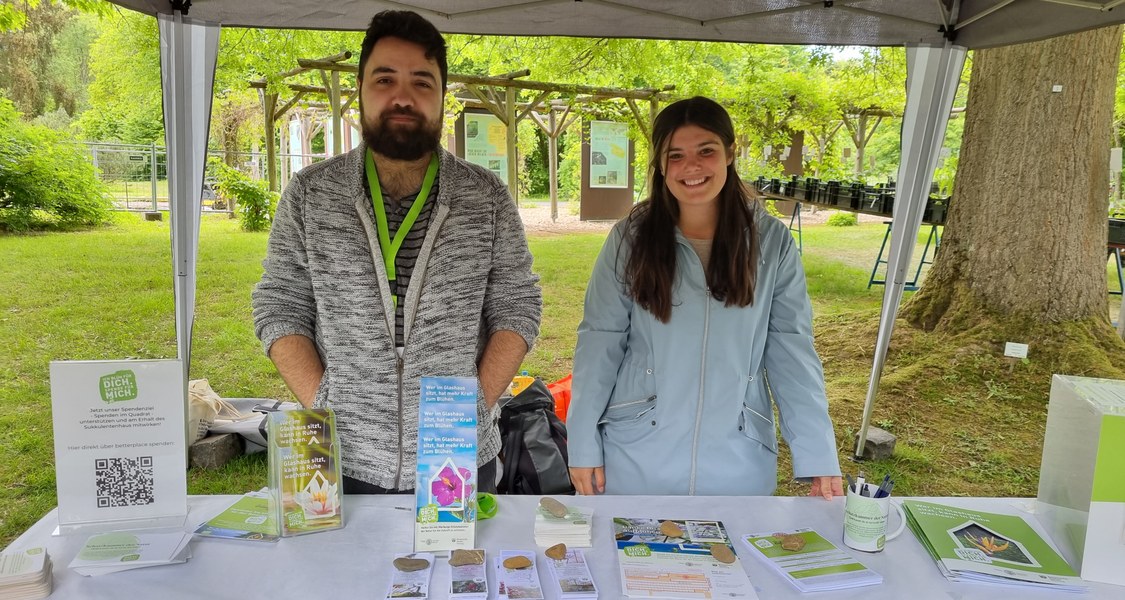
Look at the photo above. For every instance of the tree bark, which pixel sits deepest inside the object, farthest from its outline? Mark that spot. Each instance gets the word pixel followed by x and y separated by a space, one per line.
pixel 1026 232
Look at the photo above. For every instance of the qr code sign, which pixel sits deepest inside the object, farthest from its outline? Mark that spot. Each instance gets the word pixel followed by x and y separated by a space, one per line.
pixel 123 481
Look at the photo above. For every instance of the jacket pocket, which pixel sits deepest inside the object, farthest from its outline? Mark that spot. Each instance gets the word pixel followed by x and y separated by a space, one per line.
pixel 629 422
pixel 758 427
pixel 627 411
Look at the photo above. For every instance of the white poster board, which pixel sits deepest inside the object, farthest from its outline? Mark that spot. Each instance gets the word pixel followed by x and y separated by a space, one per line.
pixel 609 154
pixel 119 443
pixel 486 143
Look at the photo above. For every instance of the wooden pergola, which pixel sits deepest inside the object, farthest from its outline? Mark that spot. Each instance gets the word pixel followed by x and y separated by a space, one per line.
pixel 497 94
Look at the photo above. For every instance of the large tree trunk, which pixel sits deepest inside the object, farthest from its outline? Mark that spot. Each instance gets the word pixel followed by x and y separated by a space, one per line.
pixel 1026 233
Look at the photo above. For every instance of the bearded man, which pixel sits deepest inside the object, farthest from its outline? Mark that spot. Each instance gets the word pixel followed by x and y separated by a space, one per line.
pixel 393 262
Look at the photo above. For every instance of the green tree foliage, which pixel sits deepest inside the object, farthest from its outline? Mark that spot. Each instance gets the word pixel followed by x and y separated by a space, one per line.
pixel 46 180
pixel 125 94
pixel 14 13
pixel 42 70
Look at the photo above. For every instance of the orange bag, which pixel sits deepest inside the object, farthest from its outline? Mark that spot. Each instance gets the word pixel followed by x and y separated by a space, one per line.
pixel 561 392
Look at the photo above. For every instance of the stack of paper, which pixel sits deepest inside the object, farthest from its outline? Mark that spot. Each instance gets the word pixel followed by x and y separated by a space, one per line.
pixel 970 545
pixel 409 583
pixel 517 583
pixel 468 582
pixel 572 530
pixel 25 574
pixel 815 567
pixel 678 559
pixel 248 518
pixel 572 576
pixel 120 551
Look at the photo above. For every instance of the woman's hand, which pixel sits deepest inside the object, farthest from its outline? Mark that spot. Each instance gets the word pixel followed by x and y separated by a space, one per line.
pixel 590 480
pixel 821 486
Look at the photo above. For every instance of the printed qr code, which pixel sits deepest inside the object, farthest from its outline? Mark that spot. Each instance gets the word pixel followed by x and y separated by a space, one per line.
pixel 123 481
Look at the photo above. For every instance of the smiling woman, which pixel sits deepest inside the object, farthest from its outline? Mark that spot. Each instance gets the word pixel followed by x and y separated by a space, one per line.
pixel 696 295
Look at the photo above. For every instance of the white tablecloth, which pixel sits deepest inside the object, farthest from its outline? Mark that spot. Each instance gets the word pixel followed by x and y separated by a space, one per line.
pixel 354 562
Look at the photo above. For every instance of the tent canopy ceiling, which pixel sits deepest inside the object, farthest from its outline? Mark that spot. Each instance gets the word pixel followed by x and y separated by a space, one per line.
pixel 976 23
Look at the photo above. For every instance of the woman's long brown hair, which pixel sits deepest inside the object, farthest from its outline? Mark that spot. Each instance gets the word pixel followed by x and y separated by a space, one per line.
pixel 650 272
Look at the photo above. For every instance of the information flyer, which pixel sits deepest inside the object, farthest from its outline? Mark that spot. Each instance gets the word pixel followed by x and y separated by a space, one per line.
pixel 486 143
pixel 119 442
pixel 446 482
pixel 609 156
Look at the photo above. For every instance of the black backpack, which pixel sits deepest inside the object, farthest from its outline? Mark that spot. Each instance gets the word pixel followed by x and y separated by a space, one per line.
pixel 534 444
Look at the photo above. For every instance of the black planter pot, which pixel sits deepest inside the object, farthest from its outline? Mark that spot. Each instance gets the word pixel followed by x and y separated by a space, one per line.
pixel 832 193
pixel 791 187
pixel 1117 231
pixel 812 189
pixel 855 198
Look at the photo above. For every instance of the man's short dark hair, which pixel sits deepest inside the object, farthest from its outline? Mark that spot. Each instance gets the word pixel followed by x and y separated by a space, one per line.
pixel 409 26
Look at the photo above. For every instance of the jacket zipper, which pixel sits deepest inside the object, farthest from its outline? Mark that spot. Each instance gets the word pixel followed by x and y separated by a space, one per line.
pixel 398 469
pixel 649 399
pixel 702 383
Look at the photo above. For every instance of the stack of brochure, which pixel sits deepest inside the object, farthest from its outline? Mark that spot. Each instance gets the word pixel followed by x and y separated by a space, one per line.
pixel 572 530
pixel 468 582
pixel 25 574
pixel 119 551
pixel 676 560
pixel 817 566
pixel 249 518
pixel 409 583
pixel 572 576
pixel 517 583
pixel 970 545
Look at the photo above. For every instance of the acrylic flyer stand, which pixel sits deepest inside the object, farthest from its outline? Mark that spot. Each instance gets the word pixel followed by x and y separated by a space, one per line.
pixel 119 444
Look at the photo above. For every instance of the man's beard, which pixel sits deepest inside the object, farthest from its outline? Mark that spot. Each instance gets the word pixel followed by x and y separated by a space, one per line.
pixel 399 141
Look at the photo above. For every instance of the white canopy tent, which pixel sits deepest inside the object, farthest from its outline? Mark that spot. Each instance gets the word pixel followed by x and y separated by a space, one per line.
pixel 936 33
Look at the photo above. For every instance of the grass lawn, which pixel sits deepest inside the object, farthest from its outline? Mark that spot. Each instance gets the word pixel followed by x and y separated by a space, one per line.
pixel 106 294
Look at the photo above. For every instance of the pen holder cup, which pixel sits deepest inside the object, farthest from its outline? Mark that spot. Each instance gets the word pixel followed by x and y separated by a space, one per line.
pixel 865 522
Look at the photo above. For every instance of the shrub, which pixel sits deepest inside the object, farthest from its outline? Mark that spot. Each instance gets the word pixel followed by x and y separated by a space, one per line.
pixel 843 219
pixel 46 179
pixel 254 200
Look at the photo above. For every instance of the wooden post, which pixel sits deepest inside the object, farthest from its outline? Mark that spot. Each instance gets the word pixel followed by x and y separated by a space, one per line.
pixel 337 123
pixel 513 168
pixel 553 164
pixel 269 104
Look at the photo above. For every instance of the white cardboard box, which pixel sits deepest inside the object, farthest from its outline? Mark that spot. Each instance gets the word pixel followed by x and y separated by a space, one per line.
pixel 1082 479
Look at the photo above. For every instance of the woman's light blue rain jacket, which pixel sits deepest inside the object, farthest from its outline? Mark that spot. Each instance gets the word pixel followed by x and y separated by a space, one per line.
pixel 642 407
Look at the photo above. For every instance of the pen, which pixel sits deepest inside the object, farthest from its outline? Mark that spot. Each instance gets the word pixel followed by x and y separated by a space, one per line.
pixel 851 482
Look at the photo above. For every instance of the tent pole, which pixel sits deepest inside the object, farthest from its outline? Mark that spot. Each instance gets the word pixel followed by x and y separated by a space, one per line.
pixel 188 52
pixel 932 76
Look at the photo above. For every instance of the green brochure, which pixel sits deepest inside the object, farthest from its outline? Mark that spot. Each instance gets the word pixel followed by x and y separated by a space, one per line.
pixel 971 545
pixel 304 471
pixel 817 565
pixel 247 519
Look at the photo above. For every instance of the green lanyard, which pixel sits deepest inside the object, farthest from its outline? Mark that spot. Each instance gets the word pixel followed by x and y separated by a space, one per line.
pixel 389 247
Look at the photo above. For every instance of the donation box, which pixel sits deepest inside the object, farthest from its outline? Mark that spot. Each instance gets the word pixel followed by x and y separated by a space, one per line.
pixel 1082 480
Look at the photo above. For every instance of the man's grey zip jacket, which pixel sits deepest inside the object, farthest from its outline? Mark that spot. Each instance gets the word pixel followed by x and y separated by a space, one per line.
pixel 325 279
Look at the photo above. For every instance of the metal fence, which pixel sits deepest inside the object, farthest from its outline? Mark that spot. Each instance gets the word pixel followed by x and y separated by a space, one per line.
pixel 136 175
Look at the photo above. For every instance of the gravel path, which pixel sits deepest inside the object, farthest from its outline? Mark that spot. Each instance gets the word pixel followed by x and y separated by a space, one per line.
pixel 537 220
